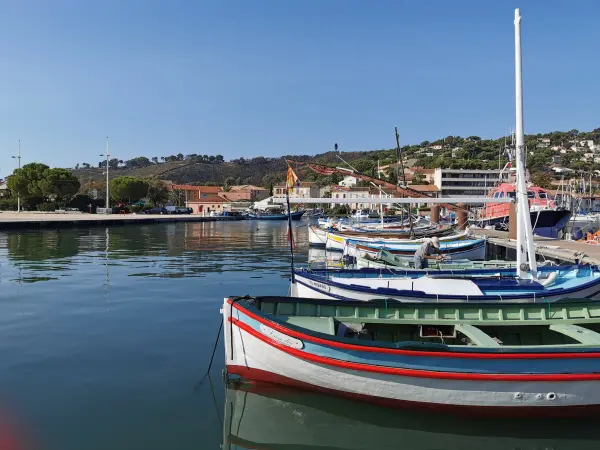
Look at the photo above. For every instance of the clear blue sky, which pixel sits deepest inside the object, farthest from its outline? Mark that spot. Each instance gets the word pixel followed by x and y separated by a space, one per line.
pixel 273 77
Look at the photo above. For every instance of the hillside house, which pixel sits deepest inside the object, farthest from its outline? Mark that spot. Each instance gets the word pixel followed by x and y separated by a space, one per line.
pixel 348 181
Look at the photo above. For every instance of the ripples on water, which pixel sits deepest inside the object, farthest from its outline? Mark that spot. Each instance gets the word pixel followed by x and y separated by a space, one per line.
pixel 105 332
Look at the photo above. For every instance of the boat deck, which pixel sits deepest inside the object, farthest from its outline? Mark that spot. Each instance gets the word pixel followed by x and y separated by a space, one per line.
pixel 550 248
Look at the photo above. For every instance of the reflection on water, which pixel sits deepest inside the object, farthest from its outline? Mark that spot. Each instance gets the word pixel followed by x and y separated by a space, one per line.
pixel 266 416
pixel 172 250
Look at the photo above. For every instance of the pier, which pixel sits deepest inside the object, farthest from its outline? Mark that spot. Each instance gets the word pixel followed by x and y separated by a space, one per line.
pixel 33 220
pixel 570 251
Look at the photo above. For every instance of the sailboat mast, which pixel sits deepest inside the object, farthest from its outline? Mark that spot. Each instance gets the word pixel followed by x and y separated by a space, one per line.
pixel 525 245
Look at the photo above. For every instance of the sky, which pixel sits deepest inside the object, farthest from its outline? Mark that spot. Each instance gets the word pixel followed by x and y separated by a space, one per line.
pixel 245 78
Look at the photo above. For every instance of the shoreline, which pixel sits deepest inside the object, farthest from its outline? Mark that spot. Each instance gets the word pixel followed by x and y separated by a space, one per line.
pixel 37 220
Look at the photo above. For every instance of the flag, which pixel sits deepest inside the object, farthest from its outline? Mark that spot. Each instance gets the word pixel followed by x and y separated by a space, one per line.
pixel 292 180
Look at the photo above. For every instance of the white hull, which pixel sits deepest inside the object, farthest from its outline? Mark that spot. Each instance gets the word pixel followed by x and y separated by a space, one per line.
pixel 251 353
pixel 425 289
pixel 335 241
pixel 474 254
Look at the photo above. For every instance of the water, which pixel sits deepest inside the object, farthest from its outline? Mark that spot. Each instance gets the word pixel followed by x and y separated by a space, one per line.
pixel 105 333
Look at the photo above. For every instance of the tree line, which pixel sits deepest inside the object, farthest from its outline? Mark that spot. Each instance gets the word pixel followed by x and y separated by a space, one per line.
pixel 142 161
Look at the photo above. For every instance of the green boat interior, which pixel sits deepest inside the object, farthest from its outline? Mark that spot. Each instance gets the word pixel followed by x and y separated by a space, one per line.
pixel 569 324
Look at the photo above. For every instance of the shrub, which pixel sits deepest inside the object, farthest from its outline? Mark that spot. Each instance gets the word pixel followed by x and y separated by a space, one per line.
pixel 8 204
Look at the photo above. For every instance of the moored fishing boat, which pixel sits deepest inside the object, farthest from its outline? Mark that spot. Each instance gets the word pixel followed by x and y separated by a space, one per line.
pixel 472 249
pixel 384 259
pixel 340 240
pixel 499 358
pixel 470 285
pixel 297 215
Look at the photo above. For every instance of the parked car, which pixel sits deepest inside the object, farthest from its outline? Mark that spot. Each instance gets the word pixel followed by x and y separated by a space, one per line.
pixel 155 210
pixel 178 210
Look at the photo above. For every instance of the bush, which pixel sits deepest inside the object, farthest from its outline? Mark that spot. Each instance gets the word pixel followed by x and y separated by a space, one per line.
pixel 47 206
pixel 135 208
pixel 8 204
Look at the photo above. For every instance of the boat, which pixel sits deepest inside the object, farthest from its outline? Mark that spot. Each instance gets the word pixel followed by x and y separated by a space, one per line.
pixel 340 240
pixel 496 358
pixel 262 415
pixel 384 259
pixel 552 284
pixel 297 215
pixel 336 240
pixel 472 249
pixel 547 219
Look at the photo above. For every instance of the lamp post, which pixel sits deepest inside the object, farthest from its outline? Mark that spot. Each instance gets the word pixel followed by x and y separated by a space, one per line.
pixel 107 154
pixel 18 157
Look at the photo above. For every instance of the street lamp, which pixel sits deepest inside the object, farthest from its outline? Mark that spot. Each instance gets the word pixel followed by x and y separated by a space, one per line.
pixel 107 189
pixel 18 157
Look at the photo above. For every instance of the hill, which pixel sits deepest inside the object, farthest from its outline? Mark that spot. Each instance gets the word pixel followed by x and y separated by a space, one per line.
pixel 572 149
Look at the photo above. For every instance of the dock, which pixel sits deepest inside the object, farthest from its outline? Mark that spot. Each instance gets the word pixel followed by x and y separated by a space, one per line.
pixel 34 220
pixel 570 251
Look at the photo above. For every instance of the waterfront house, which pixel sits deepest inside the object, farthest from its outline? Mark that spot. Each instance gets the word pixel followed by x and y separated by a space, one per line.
pixel 306 189
pixel 4 190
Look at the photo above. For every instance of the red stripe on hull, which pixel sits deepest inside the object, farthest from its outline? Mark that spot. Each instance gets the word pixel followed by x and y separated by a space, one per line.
pixel 572 377
pixel 263 376
pixel 366 348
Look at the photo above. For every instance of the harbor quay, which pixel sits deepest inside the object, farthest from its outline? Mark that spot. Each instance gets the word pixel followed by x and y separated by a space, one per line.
pixel 32 220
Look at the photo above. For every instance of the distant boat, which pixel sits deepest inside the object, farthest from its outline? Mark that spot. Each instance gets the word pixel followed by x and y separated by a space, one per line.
pixel 498 358
pixel 275 216
pixel 546 218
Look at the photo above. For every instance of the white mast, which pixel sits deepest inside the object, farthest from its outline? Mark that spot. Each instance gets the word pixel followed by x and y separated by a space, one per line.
pixel 525 245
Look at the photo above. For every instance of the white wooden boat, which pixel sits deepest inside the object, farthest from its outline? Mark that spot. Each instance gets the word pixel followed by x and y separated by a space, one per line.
pixel 534 359
pixel 386 260
pixel 339 241
pixel 471 249
pixel 434 286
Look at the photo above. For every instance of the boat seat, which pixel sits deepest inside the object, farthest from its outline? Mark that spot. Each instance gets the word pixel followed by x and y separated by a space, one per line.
pixel 577 333
pixel 324 325
pixel 476 336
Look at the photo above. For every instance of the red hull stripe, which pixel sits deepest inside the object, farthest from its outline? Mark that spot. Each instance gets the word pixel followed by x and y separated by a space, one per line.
pixel 395 351
pixel 261 377
pixel 412 372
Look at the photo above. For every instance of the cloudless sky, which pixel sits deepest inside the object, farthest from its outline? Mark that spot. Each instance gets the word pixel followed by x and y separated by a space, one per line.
pixel 273 77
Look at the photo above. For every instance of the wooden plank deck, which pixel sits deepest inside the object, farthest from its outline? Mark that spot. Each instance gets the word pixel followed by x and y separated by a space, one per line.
pixel 570 251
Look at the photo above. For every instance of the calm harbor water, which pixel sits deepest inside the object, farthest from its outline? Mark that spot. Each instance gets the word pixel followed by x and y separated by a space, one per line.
pixel 106 332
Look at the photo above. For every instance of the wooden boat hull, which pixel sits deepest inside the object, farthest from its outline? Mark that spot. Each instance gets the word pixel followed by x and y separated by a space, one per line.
pixel 368 263
pixel 339 241
pixel 295 216
pixel 431 286
pixel 260 348
pixel 473 250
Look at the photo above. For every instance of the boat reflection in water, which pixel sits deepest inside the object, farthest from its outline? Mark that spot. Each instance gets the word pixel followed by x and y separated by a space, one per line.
pixel 265 416
pixel 325 259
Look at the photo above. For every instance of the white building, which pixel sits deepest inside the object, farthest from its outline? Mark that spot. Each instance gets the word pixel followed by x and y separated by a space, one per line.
pixel 348 181
pixel 466 182
pixel 307 189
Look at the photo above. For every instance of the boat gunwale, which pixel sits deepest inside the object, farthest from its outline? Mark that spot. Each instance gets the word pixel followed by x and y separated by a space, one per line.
pixel 437 350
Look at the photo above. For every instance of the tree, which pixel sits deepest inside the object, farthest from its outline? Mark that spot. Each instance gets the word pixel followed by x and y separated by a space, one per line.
pixel 113 163
pixel 542 180
pixel 177 197
pixel 59 184
pixel 157 192
pixel 419 179
pixel 25 181
pixel 86 165
pixel 179 156
pixel 130 189
pixel 219 159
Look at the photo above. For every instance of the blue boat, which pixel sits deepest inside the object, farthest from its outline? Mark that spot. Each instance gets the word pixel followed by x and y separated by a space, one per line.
pixel 275 216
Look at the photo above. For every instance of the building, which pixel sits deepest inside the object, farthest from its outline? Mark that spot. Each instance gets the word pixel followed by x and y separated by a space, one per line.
pixel 4 190
pixel 246 192
pixel 358 197
pixel 467 182
pixel 209 203
pixel 306 189
pixel 348 181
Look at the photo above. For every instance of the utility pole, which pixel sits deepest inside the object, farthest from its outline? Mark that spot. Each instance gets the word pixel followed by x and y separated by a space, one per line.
pixel 107 154
pixel 18 157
